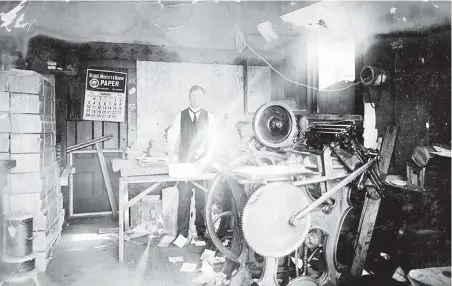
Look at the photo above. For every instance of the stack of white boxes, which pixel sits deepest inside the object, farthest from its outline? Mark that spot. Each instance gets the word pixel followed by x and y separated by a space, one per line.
pixel 27 135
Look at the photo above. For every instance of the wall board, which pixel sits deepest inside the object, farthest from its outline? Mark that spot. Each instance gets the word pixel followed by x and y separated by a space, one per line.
pixel 162 92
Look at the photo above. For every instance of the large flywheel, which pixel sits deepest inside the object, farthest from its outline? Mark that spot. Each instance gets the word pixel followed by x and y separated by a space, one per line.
pixel 274 125
pixel 265 219
pixel 232 197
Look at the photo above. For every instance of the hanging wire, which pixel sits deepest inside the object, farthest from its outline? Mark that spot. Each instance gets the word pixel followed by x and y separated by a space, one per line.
pixel 158 16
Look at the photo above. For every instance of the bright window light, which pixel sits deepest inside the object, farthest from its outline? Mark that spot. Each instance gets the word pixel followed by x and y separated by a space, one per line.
pixel 336 59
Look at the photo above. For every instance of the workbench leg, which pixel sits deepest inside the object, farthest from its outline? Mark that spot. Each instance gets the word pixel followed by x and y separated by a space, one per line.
pixel 126 210
pixel 121 222
pixel 366 228
pixel 103 167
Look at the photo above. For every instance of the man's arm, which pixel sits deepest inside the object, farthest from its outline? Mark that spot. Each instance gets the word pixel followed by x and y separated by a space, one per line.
pixel 173 136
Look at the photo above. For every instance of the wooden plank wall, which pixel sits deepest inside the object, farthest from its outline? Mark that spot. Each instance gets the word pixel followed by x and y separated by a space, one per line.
pixel 89 187
pixel 418 91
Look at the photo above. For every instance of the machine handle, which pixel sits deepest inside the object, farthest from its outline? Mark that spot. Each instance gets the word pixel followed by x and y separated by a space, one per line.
pixel 295 219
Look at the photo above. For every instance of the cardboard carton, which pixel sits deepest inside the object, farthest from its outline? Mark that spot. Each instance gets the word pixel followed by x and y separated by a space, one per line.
pixel 4 101
pixel 32 143
pixel 31 123
pixel 4 142
pixel 5 122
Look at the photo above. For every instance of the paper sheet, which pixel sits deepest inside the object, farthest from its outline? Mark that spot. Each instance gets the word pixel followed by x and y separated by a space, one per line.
pixel 370 133
pixel 176 259
pixel 399 275
pixel 200 243
pixel 166 240
pixel 207 274
pixel 300 262
pixel 180 241
pixel 188 267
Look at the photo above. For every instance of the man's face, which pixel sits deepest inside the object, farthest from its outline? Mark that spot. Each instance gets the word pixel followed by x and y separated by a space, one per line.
pixel 196 97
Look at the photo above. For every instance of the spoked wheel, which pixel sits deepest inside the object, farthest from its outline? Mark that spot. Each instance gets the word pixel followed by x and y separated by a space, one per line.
pixel 225 203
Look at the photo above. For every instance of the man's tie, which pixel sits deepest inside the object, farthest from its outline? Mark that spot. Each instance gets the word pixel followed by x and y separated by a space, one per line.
pixel 195 119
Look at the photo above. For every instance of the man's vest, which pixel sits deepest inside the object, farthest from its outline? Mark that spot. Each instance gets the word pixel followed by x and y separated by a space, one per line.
pixel 192 135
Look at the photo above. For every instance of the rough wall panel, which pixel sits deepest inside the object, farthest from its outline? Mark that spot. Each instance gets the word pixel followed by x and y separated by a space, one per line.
pixel 162 91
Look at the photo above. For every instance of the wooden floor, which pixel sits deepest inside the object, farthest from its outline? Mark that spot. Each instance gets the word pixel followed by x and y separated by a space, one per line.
pixel 84 257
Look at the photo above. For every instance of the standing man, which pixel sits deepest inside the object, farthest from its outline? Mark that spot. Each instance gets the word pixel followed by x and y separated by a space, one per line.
pixel 194 128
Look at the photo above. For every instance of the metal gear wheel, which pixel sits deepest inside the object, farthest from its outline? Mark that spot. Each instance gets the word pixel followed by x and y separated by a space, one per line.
pixel 314 238
pixel 265 219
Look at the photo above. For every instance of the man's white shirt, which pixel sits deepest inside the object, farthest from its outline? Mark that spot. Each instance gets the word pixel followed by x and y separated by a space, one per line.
pixel 174 132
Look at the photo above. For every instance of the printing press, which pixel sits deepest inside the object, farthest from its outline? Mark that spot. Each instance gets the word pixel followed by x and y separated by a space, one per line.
pixel 290 215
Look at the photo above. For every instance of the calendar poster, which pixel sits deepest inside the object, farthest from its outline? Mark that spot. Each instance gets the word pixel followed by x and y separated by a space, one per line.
pixel 105 96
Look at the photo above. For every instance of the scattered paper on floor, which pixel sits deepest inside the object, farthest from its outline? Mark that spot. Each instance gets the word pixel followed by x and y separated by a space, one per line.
pixel 206 275
pixel 188 267
pixel 180 241
pixel 399 275
pixel 200 243
pixel 176 259
pixel 209 256
pixel 300 262
pixel 166 241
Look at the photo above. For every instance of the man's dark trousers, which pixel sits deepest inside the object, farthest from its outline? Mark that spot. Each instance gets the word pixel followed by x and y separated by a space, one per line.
pixel 183 212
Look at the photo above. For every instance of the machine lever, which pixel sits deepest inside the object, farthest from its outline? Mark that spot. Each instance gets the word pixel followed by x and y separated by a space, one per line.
pixel 295 219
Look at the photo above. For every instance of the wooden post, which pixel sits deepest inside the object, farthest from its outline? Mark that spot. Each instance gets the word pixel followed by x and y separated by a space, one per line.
pixel 103 166
pixel 366 227
pixel 121 221
pixel 370 206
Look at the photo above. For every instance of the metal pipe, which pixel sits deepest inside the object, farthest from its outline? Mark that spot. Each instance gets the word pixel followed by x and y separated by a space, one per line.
pixel 305 259
pixel 326 124
pixel 313 253
pixel 329 132
pixel 317 128
pixel 92 151
pixel 88 143
pixel 318 180
pixel 296 263
pixel 295 219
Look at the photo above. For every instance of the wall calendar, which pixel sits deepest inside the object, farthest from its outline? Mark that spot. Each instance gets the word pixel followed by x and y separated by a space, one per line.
pixel 105 96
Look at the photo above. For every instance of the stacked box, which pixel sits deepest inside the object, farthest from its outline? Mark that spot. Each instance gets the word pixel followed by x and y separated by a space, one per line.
pixel 28 136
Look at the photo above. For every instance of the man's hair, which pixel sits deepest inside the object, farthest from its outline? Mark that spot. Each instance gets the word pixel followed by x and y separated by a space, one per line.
pixel 196 88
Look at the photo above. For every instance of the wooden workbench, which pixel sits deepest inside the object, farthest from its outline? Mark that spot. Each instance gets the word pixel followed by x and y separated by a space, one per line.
pixel 132 173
